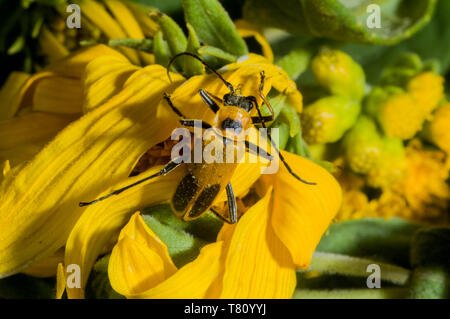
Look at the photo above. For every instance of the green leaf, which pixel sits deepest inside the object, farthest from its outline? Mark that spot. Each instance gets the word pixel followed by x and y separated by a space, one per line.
pixel 174 36
pixel 430 253
pixel 206 227
pixel 217 53
pixel 214 26
pixel 342 20
pixel 183 239
pixel 192 66
pixel 363 293
pixel 145 45
pixel 166 6
pixel 295 62
pixel 161 50
pixel 98 285
pixel 374 238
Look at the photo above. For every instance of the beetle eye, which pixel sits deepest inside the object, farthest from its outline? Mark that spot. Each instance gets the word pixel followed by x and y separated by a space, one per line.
pixel 232 124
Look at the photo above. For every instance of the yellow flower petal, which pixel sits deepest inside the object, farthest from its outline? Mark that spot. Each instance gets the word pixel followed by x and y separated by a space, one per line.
pixel 100 222
pixel 74 64
pixel 139 260
pixel 10 95
pixel 257 265
pixel 58 94
pixel 142 15
pixel 104 77
pixel 98 14
pixel 98 150
pixel 301 212
pixel 60 281
pixel 47 267
pixel 193 280
pixel 128 23
pixel 246 29
pixel 50 46
pixel 23 136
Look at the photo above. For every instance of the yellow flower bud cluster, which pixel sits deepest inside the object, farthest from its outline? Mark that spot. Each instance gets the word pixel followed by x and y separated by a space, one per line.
pixel 328 118
pixel 406 98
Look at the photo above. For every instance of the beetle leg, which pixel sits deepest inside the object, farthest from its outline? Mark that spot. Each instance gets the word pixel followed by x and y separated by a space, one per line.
pixel 208 100
pixel 257 119
pixel 232 207
pixel 166 169
pixel 261 94
pixel 214 96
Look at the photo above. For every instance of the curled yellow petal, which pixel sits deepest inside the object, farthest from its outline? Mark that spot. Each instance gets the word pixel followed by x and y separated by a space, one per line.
pixel 104 77
pixel 253 64
pixel 10 95
pixel 257 264
pixel 74 64
pixel 193 280
pixel 246 29
pixel 301 212
pixel 139 260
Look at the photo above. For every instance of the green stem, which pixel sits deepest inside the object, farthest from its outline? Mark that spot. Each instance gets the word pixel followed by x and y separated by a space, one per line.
pixel 138 44
pixel 384 293
pixel 346 265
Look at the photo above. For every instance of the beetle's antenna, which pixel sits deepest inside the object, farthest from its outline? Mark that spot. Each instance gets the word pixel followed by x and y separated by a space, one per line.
pixel 263 124
pixel 228 84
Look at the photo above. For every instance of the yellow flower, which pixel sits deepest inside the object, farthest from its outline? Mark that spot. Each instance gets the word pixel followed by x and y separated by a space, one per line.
pixel 125 115
pixel 255 258
pixel 425 185
pixel 402 112
pixel 427 88
pixel 437 131
pixel 421 195
pixel 401 117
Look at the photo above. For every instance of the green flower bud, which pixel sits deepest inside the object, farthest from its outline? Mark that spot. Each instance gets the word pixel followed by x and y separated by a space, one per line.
pixel 336 71
pixel 327 119
pixel 362 145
